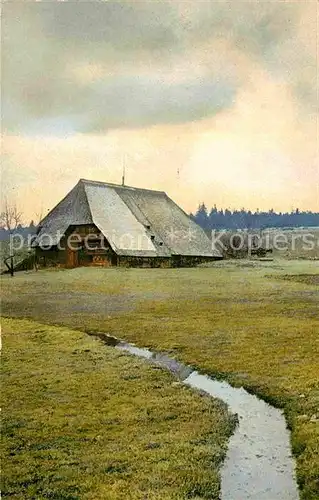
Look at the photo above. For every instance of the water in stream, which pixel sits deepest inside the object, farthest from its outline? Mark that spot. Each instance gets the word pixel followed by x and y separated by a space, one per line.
pixel 259 464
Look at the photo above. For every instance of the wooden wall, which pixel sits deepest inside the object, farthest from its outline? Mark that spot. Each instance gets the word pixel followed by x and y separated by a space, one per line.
pixel 95 255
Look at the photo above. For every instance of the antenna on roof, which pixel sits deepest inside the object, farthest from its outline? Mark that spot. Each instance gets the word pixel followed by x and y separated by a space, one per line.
pixel 123 175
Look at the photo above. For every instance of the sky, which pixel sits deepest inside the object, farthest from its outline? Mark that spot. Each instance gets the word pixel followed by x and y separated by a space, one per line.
pixel 210 101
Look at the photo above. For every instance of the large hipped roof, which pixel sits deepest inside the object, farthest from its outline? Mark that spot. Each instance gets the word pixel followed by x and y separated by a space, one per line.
pixel 136 222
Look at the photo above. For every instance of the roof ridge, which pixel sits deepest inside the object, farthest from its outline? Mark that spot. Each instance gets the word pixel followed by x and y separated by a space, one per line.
pixel 120 186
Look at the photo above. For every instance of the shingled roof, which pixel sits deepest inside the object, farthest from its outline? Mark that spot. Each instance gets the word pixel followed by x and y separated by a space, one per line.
pixel 135 221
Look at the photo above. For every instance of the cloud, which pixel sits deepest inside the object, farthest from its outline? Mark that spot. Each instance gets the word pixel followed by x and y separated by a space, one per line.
pixel 225 92
pixel 109 65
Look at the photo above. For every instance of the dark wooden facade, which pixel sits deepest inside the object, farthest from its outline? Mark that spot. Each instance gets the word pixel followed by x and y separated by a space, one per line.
pixel 82 245
pixel 85 245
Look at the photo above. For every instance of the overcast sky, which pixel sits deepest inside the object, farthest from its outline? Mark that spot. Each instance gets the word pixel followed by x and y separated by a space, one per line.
pixel 213 101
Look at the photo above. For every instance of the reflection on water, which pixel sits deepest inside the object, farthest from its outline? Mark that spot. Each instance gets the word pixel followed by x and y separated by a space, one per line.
pixel 258 465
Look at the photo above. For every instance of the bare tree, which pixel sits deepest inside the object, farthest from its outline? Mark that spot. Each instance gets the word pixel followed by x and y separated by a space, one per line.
pixel 10 218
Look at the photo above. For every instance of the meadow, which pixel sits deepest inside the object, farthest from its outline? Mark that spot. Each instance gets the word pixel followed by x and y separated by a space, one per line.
pixel 84 421
pixel 252 323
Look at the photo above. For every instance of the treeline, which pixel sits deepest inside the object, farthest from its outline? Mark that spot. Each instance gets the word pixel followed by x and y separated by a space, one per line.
pixel 221 219
pixel 246 219
pixel 23 230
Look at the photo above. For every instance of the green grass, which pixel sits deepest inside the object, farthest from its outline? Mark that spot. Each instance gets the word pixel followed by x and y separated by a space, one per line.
pixel 252 323
pixel 84 421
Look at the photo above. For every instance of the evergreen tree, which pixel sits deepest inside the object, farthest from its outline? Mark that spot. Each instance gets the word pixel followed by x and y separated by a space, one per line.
pixel 201 216
pixel 246 219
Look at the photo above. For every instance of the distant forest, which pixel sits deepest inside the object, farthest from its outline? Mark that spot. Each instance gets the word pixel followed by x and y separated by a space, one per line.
pixel 221 219
pixel 245 219
pixel 25 231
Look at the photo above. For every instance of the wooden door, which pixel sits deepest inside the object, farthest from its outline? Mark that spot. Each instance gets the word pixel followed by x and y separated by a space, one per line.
pixel 72 258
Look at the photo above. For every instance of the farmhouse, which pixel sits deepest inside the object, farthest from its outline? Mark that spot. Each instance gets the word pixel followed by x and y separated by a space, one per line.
pixel 104 224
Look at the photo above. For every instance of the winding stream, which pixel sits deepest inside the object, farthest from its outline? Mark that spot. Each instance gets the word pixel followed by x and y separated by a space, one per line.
pixel 259 464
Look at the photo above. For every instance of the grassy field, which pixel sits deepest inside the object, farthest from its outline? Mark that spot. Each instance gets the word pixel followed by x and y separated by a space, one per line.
pixel 84 421
pixel 296 239
pixel 285 243
pixel 252 323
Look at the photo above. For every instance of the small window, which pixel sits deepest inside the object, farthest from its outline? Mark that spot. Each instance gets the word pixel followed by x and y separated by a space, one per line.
pixel 152 237
pixel 148 227
pixel 160 243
